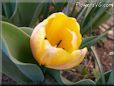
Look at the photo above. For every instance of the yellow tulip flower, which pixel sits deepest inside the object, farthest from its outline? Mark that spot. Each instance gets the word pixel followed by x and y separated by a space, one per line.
pixel 55 42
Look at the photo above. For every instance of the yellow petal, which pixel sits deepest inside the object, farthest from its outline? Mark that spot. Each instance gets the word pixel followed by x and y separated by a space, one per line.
pixel 59 59
pixel 57 30
pixel 38 42
pixel 68 40
pixel 54 26
pixel 73 25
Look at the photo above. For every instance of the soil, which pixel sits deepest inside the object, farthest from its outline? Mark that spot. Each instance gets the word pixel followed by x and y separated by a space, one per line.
pixel 104 49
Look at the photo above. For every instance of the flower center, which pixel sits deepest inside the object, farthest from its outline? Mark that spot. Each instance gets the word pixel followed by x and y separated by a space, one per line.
pixel 63 32
pixel 59 43
pixel 62 38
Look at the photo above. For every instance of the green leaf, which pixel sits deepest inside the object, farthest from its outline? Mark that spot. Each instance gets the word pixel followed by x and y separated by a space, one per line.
pixel 5 19
pixel 11 70
pixel 81 13
pixel 95 16
pixel 19 52
pixel 101 72
pixel 8 66
pixel 27 30
pixel 59 6
pixel 106 75
pixel 41 12
pixel 90 41
pixel 8 8
pixel 69 9
pixel 38 11
pixel 55 74
pixel 24 13
pixel 111 77
pixel 85 82
pixel 17 42
pixel 105 16
pixel 63 81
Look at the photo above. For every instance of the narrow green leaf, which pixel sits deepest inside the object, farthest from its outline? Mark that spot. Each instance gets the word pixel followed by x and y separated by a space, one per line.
pixel 92 21
pixel 66 10
pixel 105 16
pixel 90 41
pixel 111 77
pixel 106 75
pixel 38 11
pixel 5 10
pixel 24 13
pixel 59 6
pixel 8 8
pixel 95 17
pixel 89 11
pixel 81 13
pixel 101 71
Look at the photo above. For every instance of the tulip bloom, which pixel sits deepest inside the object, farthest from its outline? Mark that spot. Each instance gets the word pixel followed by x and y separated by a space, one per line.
pixel 55 42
